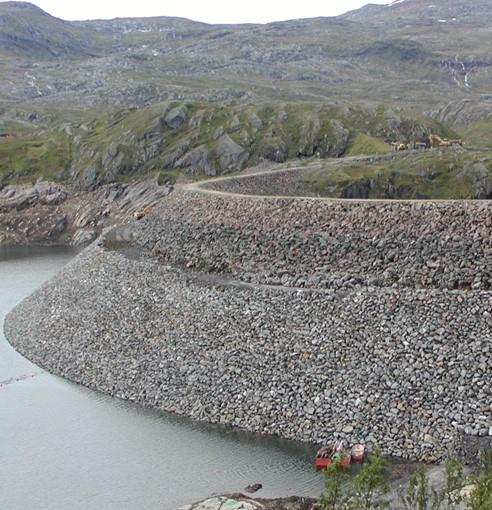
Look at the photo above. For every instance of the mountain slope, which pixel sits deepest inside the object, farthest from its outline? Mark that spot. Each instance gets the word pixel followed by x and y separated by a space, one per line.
pixel 86 100
pixel 404 13
pixel 28 32
pixel 203 139
pixel 403 54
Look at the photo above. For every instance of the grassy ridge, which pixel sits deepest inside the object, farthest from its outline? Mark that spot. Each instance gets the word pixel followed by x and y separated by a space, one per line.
pixel 23 160
pixel 480 133
pixel 436 174
pixel 365 144
pixel 205 139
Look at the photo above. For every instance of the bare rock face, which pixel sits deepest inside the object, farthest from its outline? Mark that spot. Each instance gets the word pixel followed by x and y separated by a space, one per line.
pixel 109 156
pixel 176 117
pixel 309 135
pixel 47 213
pixel 197 160
pixel 88 178
pixel 22 197
pixel 275 150
pixel 339 142
pixel 231 155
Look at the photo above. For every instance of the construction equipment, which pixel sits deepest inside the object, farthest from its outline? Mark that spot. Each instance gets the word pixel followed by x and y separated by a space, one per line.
pixel 141 213
pixel 457 141
pixel 437 141
pixel 399 146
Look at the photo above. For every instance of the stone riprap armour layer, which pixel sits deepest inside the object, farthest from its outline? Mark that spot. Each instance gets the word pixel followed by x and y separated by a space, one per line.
pixel 310 319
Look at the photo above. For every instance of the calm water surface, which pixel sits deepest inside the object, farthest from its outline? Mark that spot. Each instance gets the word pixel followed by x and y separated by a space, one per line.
pixel 64 447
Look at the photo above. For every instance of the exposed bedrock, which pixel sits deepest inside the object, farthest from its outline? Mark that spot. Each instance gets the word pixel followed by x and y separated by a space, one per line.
pixel 318 346
pixel 49 213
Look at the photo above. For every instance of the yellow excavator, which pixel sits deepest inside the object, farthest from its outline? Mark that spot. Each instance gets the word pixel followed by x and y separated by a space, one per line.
pixel 141 213
pixel 399 146
pixel 437 141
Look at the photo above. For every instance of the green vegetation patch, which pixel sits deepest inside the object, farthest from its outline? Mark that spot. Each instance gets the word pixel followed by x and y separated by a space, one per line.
pixel 22 160
pixel 366 144
pixel 479 134
pixel 95 147
pixel 443 174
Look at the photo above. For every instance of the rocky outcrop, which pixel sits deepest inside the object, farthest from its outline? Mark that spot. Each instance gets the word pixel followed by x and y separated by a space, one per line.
pixel 48 213
pixel 231 156
pixel 199 139
pixel 22 197
pixel 465 111
pixel 225 156
pixel 275 150
pixel 338 142
pixel 196 161
pixel 176 117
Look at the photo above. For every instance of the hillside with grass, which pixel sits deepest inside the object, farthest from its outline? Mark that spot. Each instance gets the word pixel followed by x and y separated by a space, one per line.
pixel 433 174
pixel 200 140
pixel 438 174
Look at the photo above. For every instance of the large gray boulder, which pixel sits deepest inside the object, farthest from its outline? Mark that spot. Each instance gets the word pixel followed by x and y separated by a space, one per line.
pixel 338 142
pixel 88 179
pixel 221 502
pixel 176 117
pixel 231 155
pixel 197 160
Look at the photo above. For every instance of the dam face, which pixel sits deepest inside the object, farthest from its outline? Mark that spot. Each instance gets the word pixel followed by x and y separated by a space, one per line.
pixel 308 319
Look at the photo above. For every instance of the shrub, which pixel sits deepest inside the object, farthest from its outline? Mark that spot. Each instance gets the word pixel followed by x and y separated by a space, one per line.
pixel 481 496
pixel 337 489
pixel 365 491
pixel 421 496
pixel 417 494
pixel 166 177
pixel 370 485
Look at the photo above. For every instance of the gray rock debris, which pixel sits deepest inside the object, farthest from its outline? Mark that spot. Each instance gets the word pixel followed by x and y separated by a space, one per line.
pixel 221 502
pixel 308 348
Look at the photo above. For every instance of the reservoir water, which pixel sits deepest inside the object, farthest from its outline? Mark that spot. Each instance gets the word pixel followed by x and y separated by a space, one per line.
pixel 64 447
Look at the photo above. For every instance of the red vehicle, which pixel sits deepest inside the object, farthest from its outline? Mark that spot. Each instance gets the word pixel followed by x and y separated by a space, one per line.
pixel 357 453
pixel 329 455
